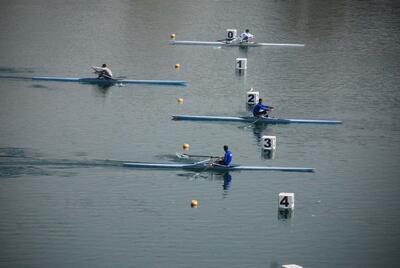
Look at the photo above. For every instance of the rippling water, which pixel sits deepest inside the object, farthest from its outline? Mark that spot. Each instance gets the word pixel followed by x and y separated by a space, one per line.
pixel 66 200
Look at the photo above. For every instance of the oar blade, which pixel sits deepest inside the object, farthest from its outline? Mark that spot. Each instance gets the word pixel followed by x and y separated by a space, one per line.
pixel 186 156
pixel 182 156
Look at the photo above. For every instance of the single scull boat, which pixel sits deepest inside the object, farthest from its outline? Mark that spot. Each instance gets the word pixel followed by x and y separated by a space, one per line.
pixel 109 81
pixel 231 44
pixel 205 166
pixel 252 119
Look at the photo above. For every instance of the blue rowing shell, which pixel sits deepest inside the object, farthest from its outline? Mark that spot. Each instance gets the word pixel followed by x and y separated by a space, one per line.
pixel 109 81
pixel 207 167
pixel 252 119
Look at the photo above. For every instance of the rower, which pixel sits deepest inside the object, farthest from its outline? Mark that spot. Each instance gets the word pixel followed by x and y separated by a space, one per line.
pixel 226 160
pixel 261 110
pixel 104 72
pixel 246 36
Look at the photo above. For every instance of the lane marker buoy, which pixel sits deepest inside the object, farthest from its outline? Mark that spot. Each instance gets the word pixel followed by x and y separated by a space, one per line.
pixel 186 146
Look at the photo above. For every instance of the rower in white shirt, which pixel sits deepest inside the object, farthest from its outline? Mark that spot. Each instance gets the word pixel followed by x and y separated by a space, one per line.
pixel 246 36
pixel 104 72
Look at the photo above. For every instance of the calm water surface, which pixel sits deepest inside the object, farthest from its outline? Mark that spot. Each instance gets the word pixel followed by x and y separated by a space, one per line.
pixel 66 201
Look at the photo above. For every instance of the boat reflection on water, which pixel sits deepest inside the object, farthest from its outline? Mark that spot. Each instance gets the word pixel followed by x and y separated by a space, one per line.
pixel 225 177
pixel 227 181
pixel 259 131
pixel 227 184
pixel 243 51
pixel 101 90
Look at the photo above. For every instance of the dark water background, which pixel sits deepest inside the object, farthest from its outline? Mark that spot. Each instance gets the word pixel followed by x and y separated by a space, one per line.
pixel 65 200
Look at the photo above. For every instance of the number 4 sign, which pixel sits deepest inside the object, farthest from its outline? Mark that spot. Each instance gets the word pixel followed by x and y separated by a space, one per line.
pixel 286 200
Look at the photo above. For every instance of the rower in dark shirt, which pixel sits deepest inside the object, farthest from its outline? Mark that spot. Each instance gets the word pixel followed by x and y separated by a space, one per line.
pixel 261 110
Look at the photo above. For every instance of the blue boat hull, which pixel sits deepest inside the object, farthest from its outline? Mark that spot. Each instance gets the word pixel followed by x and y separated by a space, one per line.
pixel 252 119
pixel 109 81
pixel 206 167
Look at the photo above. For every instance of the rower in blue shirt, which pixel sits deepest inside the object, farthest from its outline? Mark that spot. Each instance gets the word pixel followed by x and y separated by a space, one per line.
pixel 261 110
pixel 227 159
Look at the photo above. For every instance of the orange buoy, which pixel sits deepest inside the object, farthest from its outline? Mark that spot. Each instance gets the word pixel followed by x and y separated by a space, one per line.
pixel 194 203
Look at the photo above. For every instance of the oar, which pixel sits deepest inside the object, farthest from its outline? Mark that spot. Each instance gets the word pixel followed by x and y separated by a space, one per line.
pixel 179 155
pixel 206 166
pixel 201 162
pixel 252 123
pixel 219 165
pixel 226 40
pixel 260 117
pixel 197 174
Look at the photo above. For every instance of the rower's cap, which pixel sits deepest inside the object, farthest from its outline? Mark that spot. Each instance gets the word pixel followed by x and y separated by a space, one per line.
pixel 225 147
pixel 104 65
pixel 247 30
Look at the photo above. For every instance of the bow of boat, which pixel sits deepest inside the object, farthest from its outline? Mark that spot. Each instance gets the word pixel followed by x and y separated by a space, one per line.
pixel 265 168
pixel 315 121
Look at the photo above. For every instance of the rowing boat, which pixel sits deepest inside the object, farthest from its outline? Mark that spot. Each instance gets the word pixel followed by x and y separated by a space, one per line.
pixel 252 119
pixel 231 44
pixel 109 81
pixel 205 166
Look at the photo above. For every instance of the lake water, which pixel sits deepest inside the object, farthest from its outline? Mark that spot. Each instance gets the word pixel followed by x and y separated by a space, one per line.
pixel 65 200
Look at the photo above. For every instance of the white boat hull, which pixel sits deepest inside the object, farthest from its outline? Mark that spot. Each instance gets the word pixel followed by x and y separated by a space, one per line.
pixel 232 44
